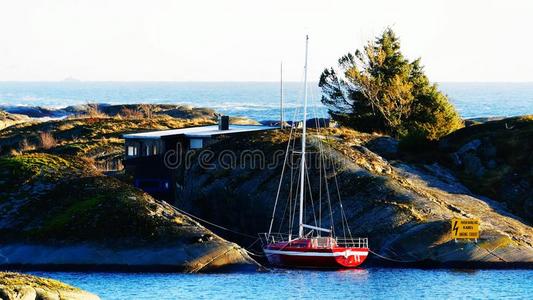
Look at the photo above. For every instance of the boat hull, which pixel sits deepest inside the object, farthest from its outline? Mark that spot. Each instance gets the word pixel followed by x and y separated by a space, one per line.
pixel 339 257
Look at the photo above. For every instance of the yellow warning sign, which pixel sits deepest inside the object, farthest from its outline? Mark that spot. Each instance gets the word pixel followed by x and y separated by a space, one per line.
pixel 465 228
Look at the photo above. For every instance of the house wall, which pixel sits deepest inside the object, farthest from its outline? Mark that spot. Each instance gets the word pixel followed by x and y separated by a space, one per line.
pixel 147 168
pixel 162 173
pixel 143 147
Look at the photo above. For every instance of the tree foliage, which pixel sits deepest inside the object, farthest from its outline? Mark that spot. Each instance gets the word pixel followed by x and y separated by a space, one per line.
pixel 378 89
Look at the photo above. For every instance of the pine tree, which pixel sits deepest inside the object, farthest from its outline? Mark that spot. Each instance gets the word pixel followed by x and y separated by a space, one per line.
pixel 378 89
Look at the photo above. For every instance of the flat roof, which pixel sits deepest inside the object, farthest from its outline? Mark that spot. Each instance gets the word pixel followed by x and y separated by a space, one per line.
pixel 199 132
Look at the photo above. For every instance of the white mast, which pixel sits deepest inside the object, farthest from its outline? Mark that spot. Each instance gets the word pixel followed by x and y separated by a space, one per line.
pixel 281 96
pixel 302 168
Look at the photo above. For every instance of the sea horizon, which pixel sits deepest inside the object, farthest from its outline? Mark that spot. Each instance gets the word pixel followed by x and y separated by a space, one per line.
pixel 254 99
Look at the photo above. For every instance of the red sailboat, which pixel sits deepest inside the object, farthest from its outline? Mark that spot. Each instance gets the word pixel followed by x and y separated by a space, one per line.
pixel 313 246
pixel 317 252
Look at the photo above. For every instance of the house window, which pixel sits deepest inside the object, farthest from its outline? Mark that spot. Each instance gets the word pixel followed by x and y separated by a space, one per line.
pixel 196 143
pixel 132 151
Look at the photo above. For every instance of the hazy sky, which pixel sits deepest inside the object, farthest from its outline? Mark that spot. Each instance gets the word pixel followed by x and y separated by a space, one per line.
pixel 197 40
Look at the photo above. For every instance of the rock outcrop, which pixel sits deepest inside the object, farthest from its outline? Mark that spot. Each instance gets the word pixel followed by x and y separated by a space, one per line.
pixel 55 203
pixel 404 209
pixel 7 119
pixel 35 111
pixel 175 111
pixel 59 211
pixel 100 109
pixel 16 286
pixel 96 138
pixel 495 159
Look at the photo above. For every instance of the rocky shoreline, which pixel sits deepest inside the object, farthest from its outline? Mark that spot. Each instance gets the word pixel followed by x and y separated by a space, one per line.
pixel 177 111
pixel 405 206
pixel 11 115
pixel 15 286
pixel 61 211
pixel 91 257
pixel 40 113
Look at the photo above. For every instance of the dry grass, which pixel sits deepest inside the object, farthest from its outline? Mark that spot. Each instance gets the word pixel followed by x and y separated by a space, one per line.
pixel 68 126
pixel 94 112
pixel 84 136
pixel 47 140
pixel 147 109
pixel 128 113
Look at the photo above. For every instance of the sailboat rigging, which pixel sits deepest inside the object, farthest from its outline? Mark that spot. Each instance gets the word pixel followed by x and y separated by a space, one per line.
pixel 319 247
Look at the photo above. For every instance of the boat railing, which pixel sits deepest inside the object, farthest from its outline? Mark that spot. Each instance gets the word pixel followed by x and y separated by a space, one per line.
pixel 271 238
pixel 352 242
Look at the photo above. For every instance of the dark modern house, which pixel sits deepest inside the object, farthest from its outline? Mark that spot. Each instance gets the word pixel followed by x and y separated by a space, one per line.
pixel 146 151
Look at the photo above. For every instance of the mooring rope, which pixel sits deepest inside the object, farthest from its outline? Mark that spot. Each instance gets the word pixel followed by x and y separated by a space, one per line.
pixel 253 253
pixel 262 255
pixel 491 251
pixel 442 254
pixel 211 223
pixel 202 266
pixel 226 229
pixel 249 252
pixel 391 259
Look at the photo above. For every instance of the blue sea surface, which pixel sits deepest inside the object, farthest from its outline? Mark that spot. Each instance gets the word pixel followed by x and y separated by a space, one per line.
pixel 371 283
pixel 258 100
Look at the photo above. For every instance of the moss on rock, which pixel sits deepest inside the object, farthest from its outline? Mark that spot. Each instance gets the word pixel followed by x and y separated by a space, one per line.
pixel 59 203
pixel 22 286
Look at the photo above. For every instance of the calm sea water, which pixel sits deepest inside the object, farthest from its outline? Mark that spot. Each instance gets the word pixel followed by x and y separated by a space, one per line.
pixel 258 100
pixel 372 283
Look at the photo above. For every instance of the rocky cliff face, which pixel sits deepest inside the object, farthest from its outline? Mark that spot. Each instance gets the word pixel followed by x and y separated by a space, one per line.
pixel 60 211
pixel 15 286
pixel 404 209
pixel 495 159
